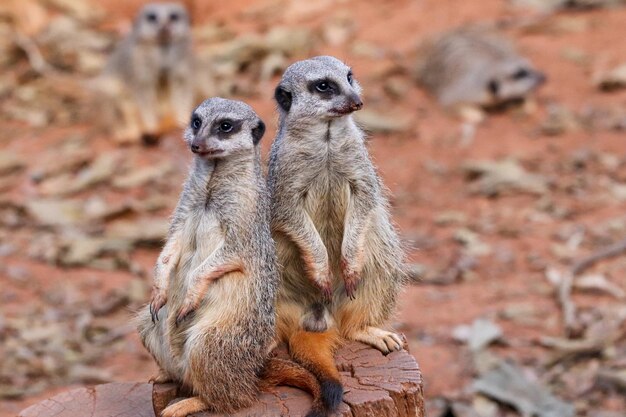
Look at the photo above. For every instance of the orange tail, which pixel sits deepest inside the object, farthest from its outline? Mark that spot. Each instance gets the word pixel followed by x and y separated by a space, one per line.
pixel 315 351
pixel 286 372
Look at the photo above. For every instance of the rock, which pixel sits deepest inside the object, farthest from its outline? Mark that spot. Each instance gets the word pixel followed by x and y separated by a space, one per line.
pixel 101 170
pixel 479 335
pixel 612 80
pixel 497 177
pixel 338 30
pixel 148 231
pixel 142 176
pixel 397 88
pixel 375 122
pixel 560 120
pixel 54 212
pixel 10 162
pixel 507 384
pixel 83 250
pixel 290 41
pixel 472 242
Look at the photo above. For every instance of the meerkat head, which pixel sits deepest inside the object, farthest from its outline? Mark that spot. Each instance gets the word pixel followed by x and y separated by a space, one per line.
pixel 510 81
pixel 163 23
pixel 318 88
pixel 219 128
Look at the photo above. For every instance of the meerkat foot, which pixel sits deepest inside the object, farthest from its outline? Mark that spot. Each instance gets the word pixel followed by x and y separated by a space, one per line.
pixel 158 300
pixel 184 407
pixel 381 339
pixel 160 378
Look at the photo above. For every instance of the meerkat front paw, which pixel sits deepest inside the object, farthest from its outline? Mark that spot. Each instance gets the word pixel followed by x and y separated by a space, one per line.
pixel 351 279
pixel 323 282
pixel 381 339
pixel 157 301
pixel 187 308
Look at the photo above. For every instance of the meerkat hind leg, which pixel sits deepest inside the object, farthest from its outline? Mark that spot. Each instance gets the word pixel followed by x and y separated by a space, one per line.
pixel 184 407
pixel 382 340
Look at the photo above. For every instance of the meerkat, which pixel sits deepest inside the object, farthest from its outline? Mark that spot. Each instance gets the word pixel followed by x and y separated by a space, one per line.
pixel 150 72
pixel 342 262
pixel 210 324
pixel 470 67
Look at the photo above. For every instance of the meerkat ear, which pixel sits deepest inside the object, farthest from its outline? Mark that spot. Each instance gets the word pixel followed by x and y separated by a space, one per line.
pixel 258 132
pixel 283 98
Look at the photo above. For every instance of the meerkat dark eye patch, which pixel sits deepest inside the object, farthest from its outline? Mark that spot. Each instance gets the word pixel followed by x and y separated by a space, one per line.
pixel 224 128
pixel 350 77
pixel 493 86
pixel 258 132
pixel 283 98
pixel 196 123
pixel 151 17
pixel 174 17
pixel 324 88
pixel 520 73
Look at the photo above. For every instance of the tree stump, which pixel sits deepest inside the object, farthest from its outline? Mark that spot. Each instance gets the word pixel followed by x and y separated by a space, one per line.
pixel 374 385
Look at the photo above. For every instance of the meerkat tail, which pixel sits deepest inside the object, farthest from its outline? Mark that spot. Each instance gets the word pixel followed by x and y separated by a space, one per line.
pixel 315 352
pixel 286 372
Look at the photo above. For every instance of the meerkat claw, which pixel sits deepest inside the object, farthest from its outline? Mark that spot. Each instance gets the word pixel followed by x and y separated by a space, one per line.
pixel 350 279
pixel 327 293
pixel 157 302
pixel 183 314
pixel 350 285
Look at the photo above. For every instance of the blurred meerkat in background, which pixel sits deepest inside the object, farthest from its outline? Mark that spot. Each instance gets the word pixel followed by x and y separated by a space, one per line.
pixel 470 70
pixel 149 75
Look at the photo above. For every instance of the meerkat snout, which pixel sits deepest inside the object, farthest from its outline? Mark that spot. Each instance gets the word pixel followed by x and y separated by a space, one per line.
pixel 217 130
pixel 318 88
pixel 512 83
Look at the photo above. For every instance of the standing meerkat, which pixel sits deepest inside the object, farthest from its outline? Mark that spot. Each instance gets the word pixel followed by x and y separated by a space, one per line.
pixel 211 322
pixel 342 262
pixel 150 73
pixel 473 67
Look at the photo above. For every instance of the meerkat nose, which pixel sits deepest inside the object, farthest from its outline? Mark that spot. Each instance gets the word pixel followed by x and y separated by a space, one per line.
pixel 195 148
pixel 541 77
pixel 355 102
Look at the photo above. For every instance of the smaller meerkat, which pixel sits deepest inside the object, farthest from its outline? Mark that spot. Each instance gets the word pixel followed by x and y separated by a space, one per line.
pixel 472 67
pixel 342 262
pixel 150 72
pixel 210 324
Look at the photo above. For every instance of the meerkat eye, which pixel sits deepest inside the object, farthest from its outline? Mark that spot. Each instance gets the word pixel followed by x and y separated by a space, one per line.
pixel 521 73
pixel 226 126
pixel 493 86
pixel 350 77
pixel 322 86
pixel 196 123
pixel 151 17
pixel 174 17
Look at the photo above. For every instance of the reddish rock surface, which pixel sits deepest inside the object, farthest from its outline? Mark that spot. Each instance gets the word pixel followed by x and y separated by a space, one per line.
pixel 375 385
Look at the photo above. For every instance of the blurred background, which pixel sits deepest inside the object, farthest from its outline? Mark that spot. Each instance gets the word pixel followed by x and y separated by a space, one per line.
pixel 516 218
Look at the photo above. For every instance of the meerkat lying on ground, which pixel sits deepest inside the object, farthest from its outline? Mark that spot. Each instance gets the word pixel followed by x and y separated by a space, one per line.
pixel 211 322
pixel 469 67
pixel 341 259
pixel 149 75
